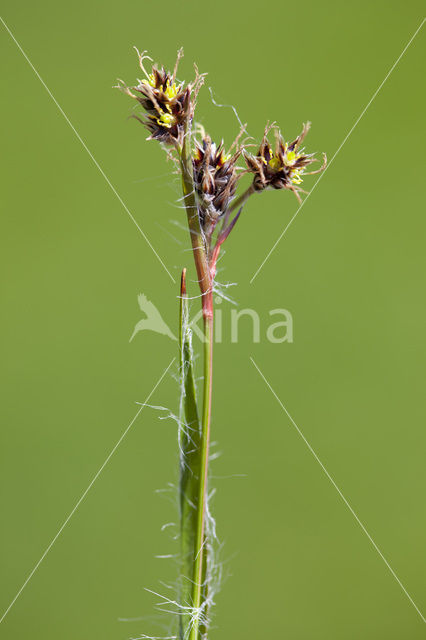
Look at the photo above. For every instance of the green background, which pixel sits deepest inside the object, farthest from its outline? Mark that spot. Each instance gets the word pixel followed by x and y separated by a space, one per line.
pixel 350 269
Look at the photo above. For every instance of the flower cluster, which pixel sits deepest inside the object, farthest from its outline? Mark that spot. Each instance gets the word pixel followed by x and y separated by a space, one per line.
pixel 215 181
pixel 283 166
pixel 168 105
pixel 210 175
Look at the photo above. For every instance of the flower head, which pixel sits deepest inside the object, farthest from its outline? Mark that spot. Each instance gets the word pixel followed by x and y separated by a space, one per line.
pixel 168 104
pixel 215 180
pixel 283 166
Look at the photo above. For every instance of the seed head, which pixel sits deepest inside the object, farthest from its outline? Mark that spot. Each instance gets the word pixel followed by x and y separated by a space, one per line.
pixel 283 166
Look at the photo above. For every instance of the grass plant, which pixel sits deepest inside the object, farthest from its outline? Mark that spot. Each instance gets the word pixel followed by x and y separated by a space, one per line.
pixel 210 177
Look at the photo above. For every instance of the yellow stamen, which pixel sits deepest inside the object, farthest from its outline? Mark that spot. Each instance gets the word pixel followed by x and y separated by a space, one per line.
pixel 224 157
pixel 290 158
pixel 166 120
pixel 150 80
pixel 296 176
pixel 171 91
pixel 274 162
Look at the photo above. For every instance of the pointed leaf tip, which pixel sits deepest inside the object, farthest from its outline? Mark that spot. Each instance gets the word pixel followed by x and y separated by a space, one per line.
pixel 183 283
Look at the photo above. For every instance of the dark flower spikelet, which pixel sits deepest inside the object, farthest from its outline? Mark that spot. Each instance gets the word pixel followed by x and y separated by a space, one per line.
pixel 215 181
pixel 168 105
pixel 283 166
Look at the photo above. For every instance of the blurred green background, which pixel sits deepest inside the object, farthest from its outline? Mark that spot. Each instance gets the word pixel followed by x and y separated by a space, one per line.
pixel 350 269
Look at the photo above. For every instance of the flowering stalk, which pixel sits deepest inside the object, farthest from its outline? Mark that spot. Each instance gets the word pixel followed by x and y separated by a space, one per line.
pixel 210 177
pixel 199 471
